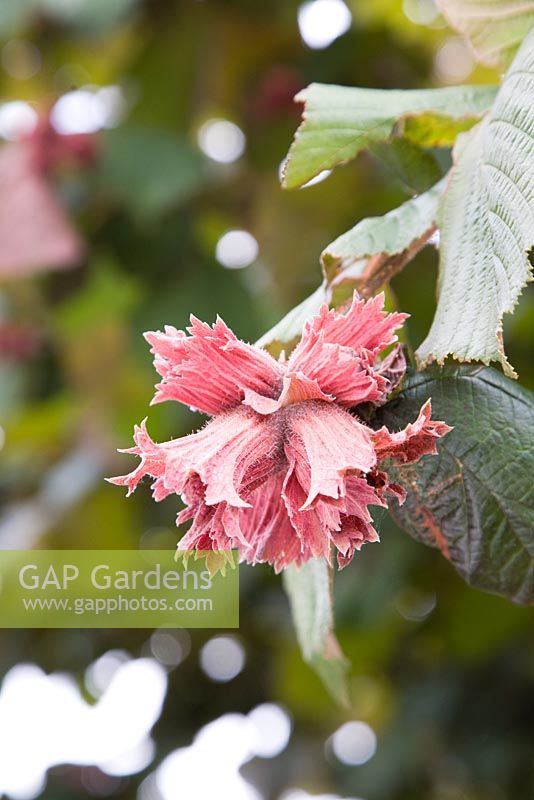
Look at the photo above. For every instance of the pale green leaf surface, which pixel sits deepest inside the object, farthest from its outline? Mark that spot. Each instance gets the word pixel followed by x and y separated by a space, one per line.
pixel 493 28
pixel 486 225
pixel 309 591
pixel 389 235
pixel 339 122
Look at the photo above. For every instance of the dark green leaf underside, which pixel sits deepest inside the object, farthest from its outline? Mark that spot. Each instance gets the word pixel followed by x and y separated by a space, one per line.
pixel 475 500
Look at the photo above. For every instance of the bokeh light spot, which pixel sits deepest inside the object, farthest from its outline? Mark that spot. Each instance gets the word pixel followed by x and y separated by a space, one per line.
pixel 21 59
pixel 354 743
pixel 323 21
pixel 222 658
pixel 421 12
pixel 272 727
pixel 221 140
pixel 236 249
pixel 100 673
pixel 87 110
pixel 453 62
pixel 170 649
pixel 17 119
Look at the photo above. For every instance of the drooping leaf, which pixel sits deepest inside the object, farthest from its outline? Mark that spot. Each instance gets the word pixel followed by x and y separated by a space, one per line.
pixel 339 122
pixel 364 258
pixel 486 224
pixel 288 330
pixel 475 499
pixel 493 28
pixel 415 168
pixel 310 595
pixel 377 247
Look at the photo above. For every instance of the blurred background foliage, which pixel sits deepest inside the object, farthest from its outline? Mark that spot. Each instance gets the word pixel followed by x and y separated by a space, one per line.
pixel 442 674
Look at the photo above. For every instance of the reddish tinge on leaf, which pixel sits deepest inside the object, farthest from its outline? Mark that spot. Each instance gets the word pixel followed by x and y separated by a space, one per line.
pixel 285 471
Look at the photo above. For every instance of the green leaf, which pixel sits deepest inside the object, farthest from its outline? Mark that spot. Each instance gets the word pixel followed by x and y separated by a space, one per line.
pixel 475 499
pixel 365 258
pixel 433 130
pixel 493 28
pixel 339 122
pixel 288 330
pixel 147 169
pixel 486 224
pixel 415 168
pixel 310 595
pixel 378 247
